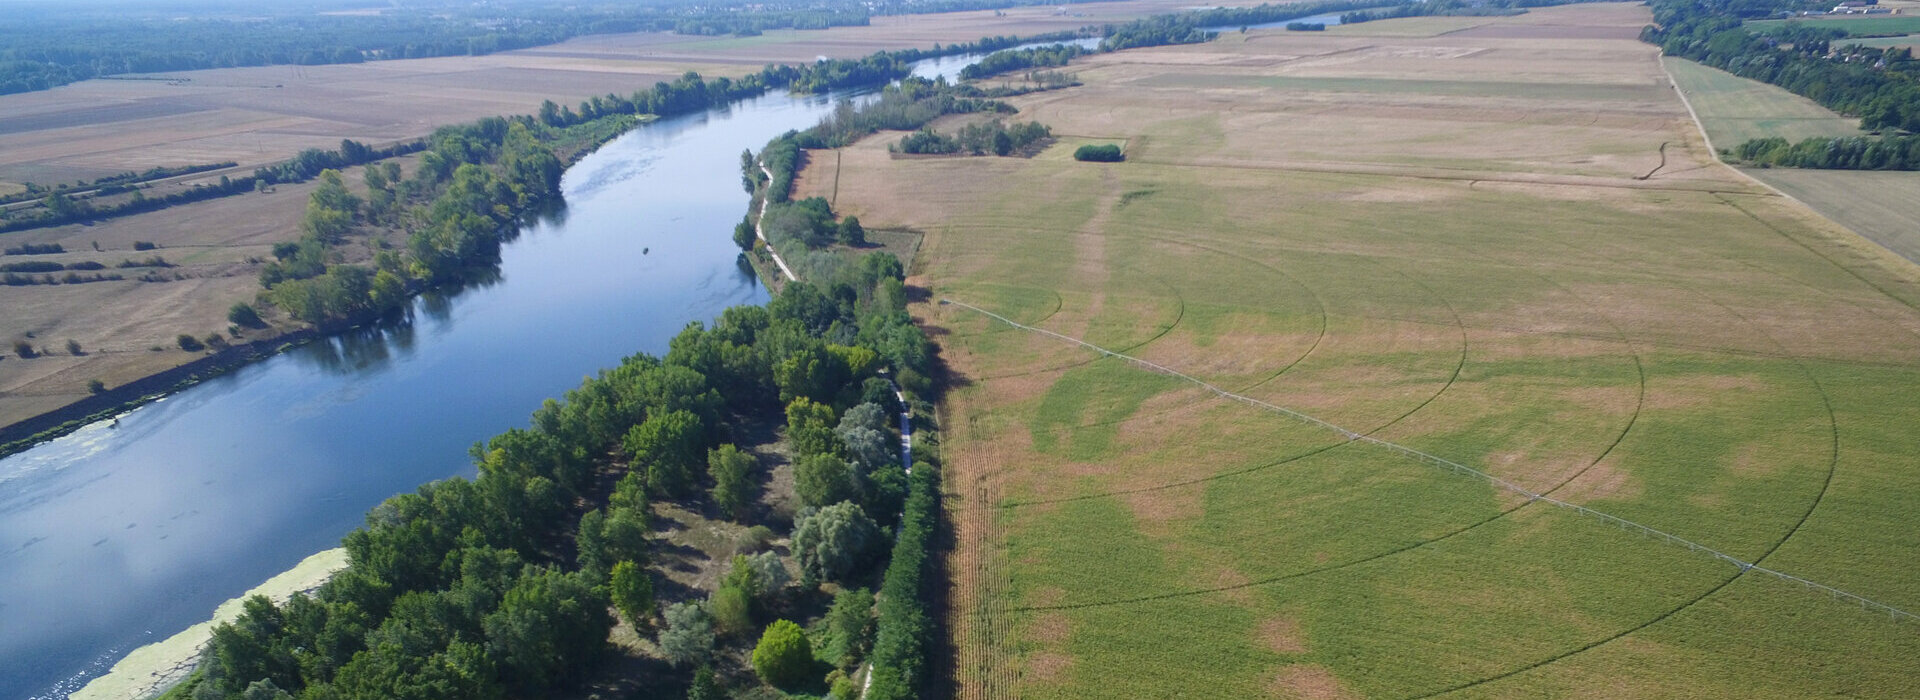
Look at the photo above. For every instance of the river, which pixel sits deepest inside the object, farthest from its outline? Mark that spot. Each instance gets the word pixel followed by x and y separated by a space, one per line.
pixel 128 531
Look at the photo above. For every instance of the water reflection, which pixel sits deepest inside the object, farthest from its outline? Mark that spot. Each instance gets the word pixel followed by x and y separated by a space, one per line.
pixel 368 348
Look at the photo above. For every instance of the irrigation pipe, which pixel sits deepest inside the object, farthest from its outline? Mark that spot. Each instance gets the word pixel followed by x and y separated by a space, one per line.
pixel 1462 469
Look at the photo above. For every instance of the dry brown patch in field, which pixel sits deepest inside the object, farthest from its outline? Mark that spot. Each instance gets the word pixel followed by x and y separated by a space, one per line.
pixel 1309 682
pixel 1048 666
pixel 1603 481
pixel 1152 509
pixel 1283 636
pixel 1233 585
pixel 1534 471
pixel 1049 628
pixel 1239 349
pixel 1689 393
pixel 1757 460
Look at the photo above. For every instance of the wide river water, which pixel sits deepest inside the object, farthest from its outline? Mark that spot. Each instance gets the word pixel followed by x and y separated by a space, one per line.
pixel 129 531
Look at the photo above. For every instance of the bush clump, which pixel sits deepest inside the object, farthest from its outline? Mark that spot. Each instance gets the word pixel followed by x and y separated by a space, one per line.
pixel 784 658
pixel 1105 153
pixel 242 314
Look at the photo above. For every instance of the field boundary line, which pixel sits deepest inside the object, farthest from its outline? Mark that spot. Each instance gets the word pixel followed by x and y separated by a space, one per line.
pixel 1464 470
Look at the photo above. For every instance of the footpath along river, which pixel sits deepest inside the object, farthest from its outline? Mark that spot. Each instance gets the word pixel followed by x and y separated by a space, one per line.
pixel 129 531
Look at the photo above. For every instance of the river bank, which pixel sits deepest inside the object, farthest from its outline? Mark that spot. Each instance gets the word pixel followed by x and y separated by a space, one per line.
pixel 24 434
pixel 152 669
pixel 99 406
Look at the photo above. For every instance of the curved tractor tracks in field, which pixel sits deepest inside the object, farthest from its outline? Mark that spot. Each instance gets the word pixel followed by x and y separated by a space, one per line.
pixel 1532 496
pixel 1452 377
pixel 1320 335
pixel 1633 417
pixel 1833 462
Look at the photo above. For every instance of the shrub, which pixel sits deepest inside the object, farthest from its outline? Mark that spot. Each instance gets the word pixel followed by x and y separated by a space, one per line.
pixel 73 348
pixel 706 686
pixel 24 349
pixel 732 609
pixel 1106 153
pixel 144 245
pixel 783 658
pixel 95 386
pixel 36 249
pixel 242 314
pixel 688 638
pixel 189 343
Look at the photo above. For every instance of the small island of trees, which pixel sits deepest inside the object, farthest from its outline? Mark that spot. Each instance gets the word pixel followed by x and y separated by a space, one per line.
pixel 1101 153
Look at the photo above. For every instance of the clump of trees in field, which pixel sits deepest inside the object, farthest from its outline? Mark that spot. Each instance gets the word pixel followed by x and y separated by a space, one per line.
pixel 1099 153
pixel 994 137
pixel 1009 61
pixel 36 249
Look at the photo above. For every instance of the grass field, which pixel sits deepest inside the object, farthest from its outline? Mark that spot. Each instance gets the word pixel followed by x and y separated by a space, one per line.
pixel 1734 109
pixel 1475 275
pixel 1887 41
pixel 1860 24
pixel 1883 206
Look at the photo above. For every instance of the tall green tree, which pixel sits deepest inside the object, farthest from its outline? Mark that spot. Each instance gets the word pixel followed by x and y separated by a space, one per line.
pixel 669 449
pixel 632 592
pixel 732 472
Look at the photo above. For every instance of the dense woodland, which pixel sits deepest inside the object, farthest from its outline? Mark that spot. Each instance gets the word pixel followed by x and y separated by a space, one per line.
pixel 1879 85
pixel 504 586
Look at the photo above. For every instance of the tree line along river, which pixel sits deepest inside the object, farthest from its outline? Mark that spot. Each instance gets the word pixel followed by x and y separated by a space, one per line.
pixel 130 530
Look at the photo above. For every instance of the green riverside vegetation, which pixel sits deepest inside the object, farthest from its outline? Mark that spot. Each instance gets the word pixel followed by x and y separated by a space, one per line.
pixel 502 585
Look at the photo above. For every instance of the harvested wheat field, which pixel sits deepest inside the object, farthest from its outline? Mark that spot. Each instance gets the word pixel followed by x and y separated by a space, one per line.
pixel 260 115
pixel 1508 249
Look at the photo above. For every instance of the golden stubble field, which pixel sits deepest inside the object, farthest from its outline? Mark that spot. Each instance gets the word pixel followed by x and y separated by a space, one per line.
pixel 1504 245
